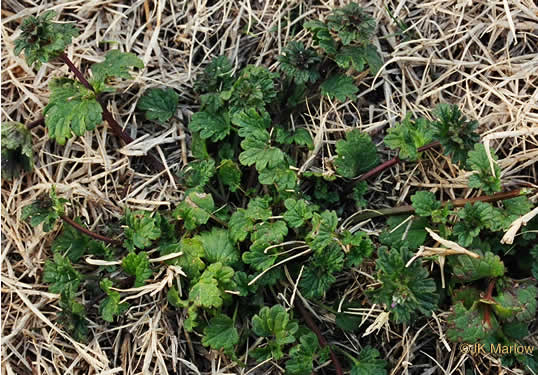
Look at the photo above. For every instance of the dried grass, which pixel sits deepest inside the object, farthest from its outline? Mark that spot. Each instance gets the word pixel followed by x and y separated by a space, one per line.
pixel 479 55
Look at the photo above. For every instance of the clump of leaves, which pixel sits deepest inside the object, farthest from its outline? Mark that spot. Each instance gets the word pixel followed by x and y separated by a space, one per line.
pixel 346 38
pixel 486 176
pixel 279 330
pixel 405 291
pixel 356 154
pixel 159 104
pixel 42 40
pixel 408 136
pixel 46 211
pixel 299 63
pixel 17 154
pixel 456 134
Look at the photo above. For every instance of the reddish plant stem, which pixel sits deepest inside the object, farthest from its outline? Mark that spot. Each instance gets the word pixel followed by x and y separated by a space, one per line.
pixel 88 232
pixel 389 163
pixel 314 327
pixel 488 296
pixel 116 128
pixel 409 209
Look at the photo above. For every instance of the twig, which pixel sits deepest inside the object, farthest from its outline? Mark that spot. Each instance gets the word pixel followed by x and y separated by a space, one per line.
pixel 88 232
pixel 460 202
pixel 314 327
pixel 386 165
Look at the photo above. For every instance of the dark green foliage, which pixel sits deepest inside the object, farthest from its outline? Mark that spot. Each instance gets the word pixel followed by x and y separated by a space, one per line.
pixel 340 87
pixel 484 178
pixel 405 291
pixel 300 63
pixel 220 333
pixel 111 307
pixel 72 109
pixel 303 355
pixel 369 362
pixel 116 65
pixel 17 154
pixel 42 40
pixel 356 154
pixel 137 265
pixel 159 104
pixel 474 218
pixel 217 76
pixel 61 275
pixel 411 233
pixel 351 24
pixel 276 326
pixel 408 136
pixel 456 134
pixel 319 273
pixel 73 316
pixel 195 210
pixel 467 269
pixel 141 229
pixel 45 211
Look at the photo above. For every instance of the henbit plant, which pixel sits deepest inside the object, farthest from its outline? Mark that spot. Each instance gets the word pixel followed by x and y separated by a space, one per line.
pixel 17 154
pixel 249 223
pixel 74 107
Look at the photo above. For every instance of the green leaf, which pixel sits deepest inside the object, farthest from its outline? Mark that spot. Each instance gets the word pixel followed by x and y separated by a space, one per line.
pixel 298 211
pixel 260 153
pixel 474 218
pixel 356 154
pixel 369 363
pixel 45 211
pixel 220 333
pixel 213 126
pixel 268 233
pixel 159 104
pixel 411 233
pixel 230 174
pixel 137 265
pixel 281 177
pixel 457 135
pixel 198 173
pixel 323 230
pixel 302 355
pixel 258 259
pixel 302 137
pixel 339 86
pixel 351 56
pixel 483 178
pixel 469 325
pixel 405 291
pixel 61 275
pixel 209 291
pixel 216 76
pixel 73 316
pixel 195 210
pixel 467 269
pixel 218 247
pixel 274 324
pixel 111 307
pixel 240 225
pixel 253 89
pixel 299 63
pixel 318 275
pixel 116 65
pixel 409 136
pixel 190 262
pixel 534 254
pixel 72 108
pixel 517 301
pixel 359 247
pixel 75 244
pixel 141 229
pixel 424 203
pixel 252 123
pixel 17 153
pixel 374 59
pixel 351 24
pixel 42 40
